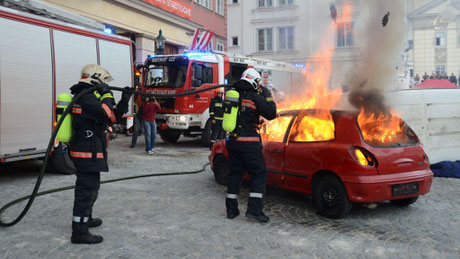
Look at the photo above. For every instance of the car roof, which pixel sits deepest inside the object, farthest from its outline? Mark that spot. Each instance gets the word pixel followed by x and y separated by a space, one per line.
pixel 313 111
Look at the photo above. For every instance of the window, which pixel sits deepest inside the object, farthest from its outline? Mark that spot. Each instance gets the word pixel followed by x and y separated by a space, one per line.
pixel 275 130
pixel 286 38
pixel 205 3
pixel 201 74
pixel 234 41
pixel 235 1
pixel 265 39
pixel 286 2
pixel 441 69
pixel 310 127
pixel 220 7
pixel 345 34
pixel 265 3
pixel 220 47
pixel 440 38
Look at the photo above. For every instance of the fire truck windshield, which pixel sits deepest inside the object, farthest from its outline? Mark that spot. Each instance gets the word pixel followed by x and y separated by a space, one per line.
pixel 166 75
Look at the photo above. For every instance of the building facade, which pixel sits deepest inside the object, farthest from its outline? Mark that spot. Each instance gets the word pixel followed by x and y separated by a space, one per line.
pixel 141 21
pixel 436 37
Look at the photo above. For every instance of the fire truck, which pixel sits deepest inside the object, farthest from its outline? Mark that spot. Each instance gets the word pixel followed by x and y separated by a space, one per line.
pixel 189 115
pixel 41 58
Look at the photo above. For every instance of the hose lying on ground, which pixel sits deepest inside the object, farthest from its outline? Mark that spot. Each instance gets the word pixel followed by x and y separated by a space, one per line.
pixel 35 192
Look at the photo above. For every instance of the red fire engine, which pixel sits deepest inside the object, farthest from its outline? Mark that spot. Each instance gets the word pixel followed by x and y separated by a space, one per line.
pixel 189 115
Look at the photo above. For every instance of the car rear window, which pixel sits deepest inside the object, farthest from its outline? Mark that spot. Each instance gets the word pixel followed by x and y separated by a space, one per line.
pixel 275 129
pixel 386 131
pixel 318 126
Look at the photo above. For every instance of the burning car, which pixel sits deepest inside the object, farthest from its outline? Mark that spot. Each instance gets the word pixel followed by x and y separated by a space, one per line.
pixel 340 158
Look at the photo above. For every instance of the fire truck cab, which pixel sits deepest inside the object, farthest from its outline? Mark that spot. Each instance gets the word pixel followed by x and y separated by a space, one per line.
pixel 189 115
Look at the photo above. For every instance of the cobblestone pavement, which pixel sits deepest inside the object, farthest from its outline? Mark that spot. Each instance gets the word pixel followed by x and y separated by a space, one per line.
pixel 184 217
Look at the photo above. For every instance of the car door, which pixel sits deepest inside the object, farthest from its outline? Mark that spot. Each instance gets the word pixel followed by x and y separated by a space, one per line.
pixel 305 151
pixel 273 134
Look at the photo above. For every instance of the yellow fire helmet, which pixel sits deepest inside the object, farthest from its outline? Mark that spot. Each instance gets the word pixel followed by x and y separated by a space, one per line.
pixel 94 72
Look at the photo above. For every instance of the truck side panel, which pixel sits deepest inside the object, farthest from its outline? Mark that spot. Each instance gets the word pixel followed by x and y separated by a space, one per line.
pixel 26 79
pixel 113 57
pixel 72 52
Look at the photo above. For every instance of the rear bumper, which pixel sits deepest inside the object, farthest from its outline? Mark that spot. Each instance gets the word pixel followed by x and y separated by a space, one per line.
pixel 374 188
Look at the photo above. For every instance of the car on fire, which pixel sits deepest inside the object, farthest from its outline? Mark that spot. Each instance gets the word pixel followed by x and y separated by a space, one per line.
pixel 342 160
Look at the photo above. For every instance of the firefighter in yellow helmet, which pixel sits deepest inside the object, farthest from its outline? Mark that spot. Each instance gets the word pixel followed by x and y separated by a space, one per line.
pixel 91 115
pixel 244 145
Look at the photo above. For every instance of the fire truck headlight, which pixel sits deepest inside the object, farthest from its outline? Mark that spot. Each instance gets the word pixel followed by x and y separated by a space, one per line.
pixel 182 118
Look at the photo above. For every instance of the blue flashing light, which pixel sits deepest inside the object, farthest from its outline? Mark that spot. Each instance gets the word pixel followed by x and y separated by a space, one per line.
pixel 299 65
pixel 108 30
pixel 198 54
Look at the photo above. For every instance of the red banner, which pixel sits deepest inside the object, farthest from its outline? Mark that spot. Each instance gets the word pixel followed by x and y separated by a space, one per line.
pixel 173 6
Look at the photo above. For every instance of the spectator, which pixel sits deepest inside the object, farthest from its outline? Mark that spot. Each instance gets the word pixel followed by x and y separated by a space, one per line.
pixel 425 77
pixel 432 76
pixel 137 127
pixel 417 79
pixel 445 76
pixel 453 79
pixel 149 112
pixel 438 75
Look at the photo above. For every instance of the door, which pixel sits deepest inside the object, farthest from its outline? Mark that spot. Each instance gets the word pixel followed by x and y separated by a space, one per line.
pixel 273 134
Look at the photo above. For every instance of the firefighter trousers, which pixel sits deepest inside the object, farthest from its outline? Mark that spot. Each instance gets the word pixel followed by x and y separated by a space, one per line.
pixel 217 132
pixel 86 192
pixel 246 157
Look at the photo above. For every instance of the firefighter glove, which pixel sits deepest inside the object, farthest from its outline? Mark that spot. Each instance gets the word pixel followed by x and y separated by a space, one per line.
pixel 127 93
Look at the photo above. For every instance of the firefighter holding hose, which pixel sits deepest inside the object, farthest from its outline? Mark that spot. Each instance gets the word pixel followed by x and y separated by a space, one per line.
pixel 244 143
pixel 91 115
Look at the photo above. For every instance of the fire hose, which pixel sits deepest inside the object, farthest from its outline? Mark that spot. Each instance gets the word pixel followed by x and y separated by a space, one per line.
pixel 35 192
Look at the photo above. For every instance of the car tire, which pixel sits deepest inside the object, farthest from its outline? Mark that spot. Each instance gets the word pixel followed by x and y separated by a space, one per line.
pixel 206 135
pixel 60 161
pixel 330 197
pixel 170 136
pixel 404 202
pixel 221 170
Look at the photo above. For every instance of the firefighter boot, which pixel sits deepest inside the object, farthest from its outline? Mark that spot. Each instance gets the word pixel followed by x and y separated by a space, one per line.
pixel 255 206
pixel 81 235
pixel 232 207
pixel 94 222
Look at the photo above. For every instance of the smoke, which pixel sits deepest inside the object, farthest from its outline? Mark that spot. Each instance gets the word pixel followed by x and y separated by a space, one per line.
pixel 380 29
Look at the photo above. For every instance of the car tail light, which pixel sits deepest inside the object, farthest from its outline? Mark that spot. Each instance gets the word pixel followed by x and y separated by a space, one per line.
pixel 364 157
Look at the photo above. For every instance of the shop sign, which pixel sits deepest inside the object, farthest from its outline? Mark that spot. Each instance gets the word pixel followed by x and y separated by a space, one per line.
pixel 173 6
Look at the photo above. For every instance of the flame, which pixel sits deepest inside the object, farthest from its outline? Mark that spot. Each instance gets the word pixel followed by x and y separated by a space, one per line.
pixel 316 95
pixel 382 129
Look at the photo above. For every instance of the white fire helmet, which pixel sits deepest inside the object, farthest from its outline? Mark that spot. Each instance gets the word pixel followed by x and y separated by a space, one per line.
pixel 252 76
pixel 94 72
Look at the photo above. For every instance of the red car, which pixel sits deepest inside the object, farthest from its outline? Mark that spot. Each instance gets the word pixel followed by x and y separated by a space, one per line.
pixel 335 163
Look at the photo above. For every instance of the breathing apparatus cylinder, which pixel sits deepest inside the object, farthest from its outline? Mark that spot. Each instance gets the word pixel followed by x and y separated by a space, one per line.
pixel 231 107
pixel 65 131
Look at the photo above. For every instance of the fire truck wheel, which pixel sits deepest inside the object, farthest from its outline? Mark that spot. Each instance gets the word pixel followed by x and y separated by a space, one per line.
pixel 169 136
pixel 330 197
pixel 206 135
pixel 60 161
pixel 221 169
pixel 404 202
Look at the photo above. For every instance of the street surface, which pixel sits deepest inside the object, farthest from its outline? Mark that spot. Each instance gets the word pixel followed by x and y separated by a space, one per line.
pixel 184 216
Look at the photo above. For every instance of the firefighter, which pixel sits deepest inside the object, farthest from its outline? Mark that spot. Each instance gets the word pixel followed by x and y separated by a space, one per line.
pixel 91 115
pixel 216 113
pixel 245 148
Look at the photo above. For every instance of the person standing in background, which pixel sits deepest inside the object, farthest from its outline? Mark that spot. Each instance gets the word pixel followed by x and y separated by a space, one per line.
pixel 149 112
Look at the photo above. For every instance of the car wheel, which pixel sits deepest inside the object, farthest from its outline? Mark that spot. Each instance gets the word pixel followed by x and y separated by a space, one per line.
pixel 221 169
pixel 330 197
pixel 170 136
pixel 404 202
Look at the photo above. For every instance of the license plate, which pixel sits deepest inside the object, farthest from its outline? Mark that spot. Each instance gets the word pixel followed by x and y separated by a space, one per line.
pixel 405 189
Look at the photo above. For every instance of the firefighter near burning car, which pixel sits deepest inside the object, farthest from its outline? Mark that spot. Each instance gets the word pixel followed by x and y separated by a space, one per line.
pixel 244 143
pixel 216 114
pixel 91 115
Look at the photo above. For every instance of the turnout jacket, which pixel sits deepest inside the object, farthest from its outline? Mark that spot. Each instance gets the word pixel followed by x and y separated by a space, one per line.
pixel 216 112
pixel 91 115
pixel 252 106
